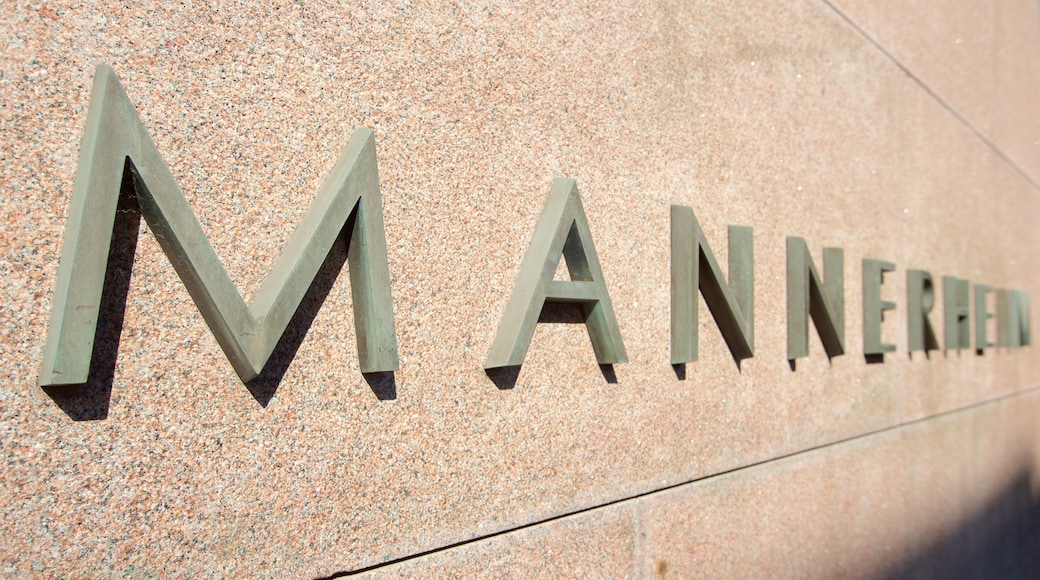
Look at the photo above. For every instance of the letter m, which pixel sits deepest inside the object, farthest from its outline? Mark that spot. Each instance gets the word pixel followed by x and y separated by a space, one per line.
pixel 115 147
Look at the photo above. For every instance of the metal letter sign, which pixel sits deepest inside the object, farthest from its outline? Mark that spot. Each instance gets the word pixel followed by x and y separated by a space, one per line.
pixel 982 315
pixel 1013 328
pixel 732 303
pixel 874 307
pixel 957 326
pixel 808 295
pixel 562 230
pixel 920 292
pixel 116 141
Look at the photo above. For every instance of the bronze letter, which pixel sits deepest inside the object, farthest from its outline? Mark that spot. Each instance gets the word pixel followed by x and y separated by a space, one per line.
pixel 874 307
pixel 920 291
pixel 562 230
pixel 808 295
pixel 116 141
pixel 955 313
pixel 1013 318
pixel 732 304
pixel 982 315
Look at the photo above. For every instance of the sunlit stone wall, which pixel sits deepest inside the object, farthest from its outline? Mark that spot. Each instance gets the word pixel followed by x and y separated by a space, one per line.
pixel 907 133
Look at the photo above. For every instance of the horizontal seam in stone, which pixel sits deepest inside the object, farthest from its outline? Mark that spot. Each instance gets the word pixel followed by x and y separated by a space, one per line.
pixel 696 481
pixel 946 105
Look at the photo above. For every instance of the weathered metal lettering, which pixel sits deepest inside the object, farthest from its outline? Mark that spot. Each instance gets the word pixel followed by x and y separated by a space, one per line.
pixel 1013 319
pixel 119 163
pixel 115 141
pixel 808 294
pixel 874 307
pixel 957 325
pixel 731 304
pixel 920 299
pixel 1021 331
pixel 982 316
pixel 562 230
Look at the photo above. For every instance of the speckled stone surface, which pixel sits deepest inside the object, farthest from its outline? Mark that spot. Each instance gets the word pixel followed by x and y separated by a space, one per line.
pixel 781 117
pixel 952 497
pixel 978 56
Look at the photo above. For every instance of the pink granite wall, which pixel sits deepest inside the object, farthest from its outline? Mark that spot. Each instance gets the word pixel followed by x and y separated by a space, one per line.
pixel 903 133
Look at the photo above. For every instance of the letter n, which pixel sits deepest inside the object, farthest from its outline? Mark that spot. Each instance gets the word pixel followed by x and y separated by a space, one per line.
pixel 694 267
pixel 562 230
pixel 116 143
pixel 808 294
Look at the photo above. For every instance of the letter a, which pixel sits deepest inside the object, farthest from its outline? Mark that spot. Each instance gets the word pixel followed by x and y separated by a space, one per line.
pixel 562 230
pixel 116 143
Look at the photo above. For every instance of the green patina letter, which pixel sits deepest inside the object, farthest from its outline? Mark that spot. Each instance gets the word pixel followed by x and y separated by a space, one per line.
pixel 562 230
pixel 732 304
pixel 808 295
pixel 1013 318
pixel 920 299
pixel 982 316
pixel 874 307
pixel 957 325
pixel 115 142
